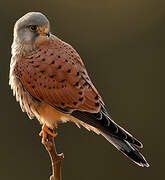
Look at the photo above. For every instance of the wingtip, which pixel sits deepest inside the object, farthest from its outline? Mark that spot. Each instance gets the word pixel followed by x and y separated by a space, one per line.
pixel 143 164
pixel 146 165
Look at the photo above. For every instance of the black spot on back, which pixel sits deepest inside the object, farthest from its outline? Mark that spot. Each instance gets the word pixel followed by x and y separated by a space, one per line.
pixel 51 76
pixel 81 99
pixel 78 73
pixel 85 84
pixel 80 93
pixel 38 56
pixel 59 67
pixel 97 104
pixel 76 84
pixel 97 97
pixel 62 103
pixel 75 103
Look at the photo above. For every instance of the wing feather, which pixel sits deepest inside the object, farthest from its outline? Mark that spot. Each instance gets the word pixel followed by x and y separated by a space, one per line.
pixel 58 77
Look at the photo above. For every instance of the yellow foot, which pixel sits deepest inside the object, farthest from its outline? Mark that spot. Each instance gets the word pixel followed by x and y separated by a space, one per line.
pixel 45 131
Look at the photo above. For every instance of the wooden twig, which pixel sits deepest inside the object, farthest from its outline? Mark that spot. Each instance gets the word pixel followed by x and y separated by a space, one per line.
pixel 56 159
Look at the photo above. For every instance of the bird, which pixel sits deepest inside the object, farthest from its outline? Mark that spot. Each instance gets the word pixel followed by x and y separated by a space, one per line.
pixel 51 83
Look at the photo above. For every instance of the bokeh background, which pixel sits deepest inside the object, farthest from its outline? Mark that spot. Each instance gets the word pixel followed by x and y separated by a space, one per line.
pixel 122 44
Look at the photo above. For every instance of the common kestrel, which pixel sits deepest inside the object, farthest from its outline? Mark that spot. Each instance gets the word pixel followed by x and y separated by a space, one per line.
pixel 51 83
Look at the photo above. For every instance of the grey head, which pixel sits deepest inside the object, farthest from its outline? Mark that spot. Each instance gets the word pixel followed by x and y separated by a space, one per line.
pixel 31 27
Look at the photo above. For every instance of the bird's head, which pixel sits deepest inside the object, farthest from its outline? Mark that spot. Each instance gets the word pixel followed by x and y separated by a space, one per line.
pixel 32 28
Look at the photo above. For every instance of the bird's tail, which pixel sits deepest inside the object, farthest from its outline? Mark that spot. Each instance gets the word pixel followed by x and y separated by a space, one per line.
pixel 127 149
pixel 115 134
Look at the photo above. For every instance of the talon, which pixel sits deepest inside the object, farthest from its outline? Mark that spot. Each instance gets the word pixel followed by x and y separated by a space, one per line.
pixel 41 133
pixel 44 132
pixel 45 129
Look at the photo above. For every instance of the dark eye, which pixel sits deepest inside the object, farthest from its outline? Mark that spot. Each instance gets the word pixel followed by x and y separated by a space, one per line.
pixel 33 27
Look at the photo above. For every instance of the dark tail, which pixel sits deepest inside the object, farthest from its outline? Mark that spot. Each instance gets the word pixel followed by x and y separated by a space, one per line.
pixel 115 134
pixel 127 149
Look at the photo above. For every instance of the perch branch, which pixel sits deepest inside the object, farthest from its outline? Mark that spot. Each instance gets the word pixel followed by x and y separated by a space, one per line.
pixel 56 159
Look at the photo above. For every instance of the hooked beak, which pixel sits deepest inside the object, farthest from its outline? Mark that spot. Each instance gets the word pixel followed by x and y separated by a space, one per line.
pixel 47 33
pixel 44 31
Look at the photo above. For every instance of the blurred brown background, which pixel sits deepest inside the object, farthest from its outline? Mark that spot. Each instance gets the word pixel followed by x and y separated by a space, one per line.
pixel 123 46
